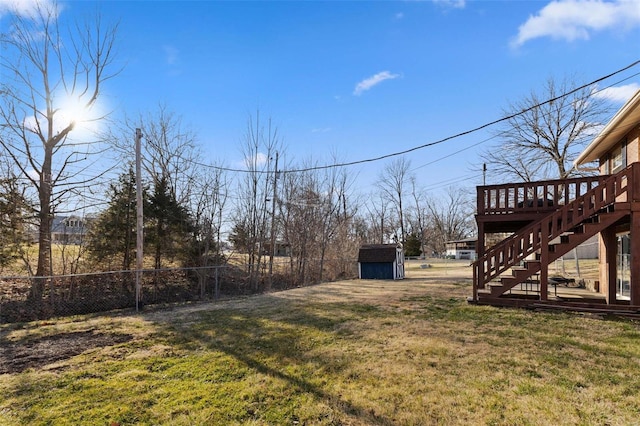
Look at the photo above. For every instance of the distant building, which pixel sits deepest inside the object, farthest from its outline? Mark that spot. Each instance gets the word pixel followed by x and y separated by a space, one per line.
pixel 68 230
pixel 281 248
pixel 461 249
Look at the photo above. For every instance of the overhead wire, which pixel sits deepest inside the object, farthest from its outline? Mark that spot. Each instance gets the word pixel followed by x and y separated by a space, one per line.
pixel 442 140
pixel 445 139
pixel 503 132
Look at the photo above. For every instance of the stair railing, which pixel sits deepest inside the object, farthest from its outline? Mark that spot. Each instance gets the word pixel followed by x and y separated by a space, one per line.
pixel 517 247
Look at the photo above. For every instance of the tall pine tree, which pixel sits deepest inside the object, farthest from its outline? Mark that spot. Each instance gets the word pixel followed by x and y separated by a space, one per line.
pixel 170 227
pixel 14 213
pixel 113 235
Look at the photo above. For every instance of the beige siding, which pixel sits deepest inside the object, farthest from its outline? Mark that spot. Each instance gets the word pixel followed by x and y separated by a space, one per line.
pixel 633 140
pixel 632 152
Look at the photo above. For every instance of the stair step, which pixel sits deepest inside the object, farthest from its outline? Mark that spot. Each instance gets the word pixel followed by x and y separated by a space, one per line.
pixel 592 219
pixel 577 229
pixel 567 231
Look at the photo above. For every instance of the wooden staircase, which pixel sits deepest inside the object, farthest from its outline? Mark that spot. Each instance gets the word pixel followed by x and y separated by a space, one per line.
pixel 533 248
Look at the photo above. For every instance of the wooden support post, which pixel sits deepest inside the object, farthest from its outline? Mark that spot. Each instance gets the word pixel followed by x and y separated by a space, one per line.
pixel 608 269
pixel 635 257
pixel 544 262
pixel 480 247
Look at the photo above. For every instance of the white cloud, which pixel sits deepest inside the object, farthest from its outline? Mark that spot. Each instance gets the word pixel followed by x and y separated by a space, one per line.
pixel 374 80
pixel 618 94
pixel 398 16
pixel 455 4
pixel 171 54
pixel 26 8
pixel 576 19
pixel 256 161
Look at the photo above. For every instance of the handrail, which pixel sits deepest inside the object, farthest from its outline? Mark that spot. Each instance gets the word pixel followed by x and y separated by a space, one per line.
pixel 532 196
pixel 518 246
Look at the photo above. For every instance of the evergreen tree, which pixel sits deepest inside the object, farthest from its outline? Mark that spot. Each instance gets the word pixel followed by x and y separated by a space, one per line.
pixel 14 211
pixel 412 245
pixel 171 227
pixel 240 237
pixel 113 235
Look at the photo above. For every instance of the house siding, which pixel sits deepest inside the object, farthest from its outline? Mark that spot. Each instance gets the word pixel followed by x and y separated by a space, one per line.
pixel 632 151
pixel 633 142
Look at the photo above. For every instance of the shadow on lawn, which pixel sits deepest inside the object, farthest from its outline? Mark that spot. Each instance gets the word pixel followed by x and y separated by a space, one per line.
pixel 18 356
pixel 283 339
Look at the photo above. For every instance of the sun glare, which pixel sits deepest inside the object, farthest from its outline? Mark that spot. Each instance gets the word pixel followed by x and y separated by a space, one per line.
pixel 84 120
pixel 73 112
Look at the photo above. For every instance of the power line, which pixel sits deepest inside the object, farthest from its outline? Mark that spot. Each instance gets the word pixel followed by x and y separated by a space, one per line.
pixel 439 141
pixel 504 132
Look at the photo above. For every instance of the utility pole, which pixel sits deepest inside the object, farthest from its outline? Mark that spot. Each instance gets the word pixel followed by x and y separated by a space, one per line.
pixel 484 173
pixel 273 221
pixel 139 220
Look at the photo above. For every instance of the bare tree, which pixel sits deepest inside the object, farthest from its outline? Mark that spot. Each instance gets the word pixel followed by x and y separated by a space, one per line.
pixel 378 219
pixel 419 213
pixel 251 225
pixel 392 182
pixel 51 80
pixel 545 133
pixel 300 212
pixel 450 218
pixel 210 198
pixel 316 220
pixel 169 152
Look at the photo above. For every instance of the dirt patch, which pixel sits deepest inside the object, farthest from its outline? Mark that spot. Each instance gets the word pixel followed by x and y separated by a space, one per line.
pixel 16 357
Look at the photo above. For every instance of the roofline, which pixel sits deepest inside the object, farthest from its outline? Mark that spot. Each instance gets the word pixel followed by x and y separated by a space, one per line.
pixel 464 240
pixel 608 134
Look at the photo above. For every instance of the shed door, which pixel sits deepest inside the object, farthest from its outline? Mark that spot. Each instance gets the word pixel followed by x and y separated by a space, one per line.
pixel 399 275
pixel 377 271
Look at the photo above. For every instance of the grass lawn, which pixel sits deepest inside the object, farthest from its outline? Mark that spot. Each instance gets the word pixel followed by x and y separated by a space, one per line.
pixel 410 352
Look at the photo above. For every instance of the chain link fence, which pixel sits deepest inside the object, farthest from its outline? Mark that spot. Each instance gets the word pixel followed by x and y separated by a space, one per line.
pixel 65 295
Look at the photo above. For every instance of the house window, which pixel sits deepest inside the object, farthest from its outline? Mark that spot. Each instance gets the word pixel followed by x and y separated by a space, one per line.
pixel 619 157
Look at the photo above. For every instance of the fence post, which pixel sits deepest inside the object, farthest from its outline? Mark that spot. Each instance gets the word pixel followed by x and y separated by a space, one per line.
pixel 217 285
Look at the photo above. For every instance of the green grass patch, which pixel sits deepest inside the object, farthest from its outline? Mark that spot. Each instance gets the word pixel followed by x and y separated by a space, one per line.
pixel 421 358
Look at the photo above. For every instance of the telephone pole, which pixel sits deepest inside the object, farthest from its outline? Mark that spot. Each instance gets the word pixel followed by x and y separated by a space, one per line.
pixel 273 221
pixel 139 220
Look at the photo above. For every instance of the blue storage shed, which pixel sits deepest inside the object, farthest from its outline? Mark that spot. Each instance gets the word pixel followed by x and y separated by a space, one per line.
pixel 381 262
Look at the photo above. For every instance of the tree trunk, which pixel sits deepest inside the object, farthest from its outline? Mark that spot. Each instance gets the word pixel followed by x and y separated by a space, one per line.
pixel 43 268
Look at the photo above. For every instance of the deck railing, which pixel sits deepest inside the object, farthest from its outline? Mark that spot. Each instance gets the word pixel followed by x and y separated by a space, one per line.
pixel 510 251
pixel 533 196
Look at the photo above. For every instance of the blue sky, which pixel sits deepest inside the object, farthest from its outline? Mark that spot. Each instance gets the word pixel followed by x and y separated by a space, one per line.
pixel 358 79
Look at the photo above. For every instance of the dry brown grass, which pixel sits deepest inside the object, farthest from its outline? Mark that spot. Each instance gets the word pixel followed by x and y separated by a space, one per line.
pixel 361 352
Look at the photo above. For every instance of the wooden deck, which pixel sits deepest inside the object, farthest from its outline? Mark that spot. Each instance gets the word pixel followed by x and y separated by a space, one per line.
pixel 543 221
pixel 509 207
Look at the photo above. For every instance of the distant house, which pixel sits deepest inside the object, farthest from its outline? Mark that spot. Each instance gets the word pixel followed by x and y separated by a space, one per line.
pixel 68 230
pixel 281 248
pixel 461 249
pixel 381 261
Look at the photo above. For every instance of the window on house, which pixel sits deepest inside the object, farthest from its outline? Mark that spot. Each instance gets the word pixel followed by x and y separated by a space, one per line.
pixel 619 157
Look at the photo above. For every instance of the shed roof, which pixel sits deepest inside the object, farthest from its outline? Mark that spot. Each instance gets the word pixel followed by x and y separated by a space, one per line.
pixel 374 253
pixel 621 123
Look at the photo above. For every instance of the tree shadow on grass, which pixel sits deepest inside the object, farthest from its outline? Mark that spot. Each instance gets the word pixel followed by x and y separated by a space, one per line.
pixel 284 341
pixel 37 352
